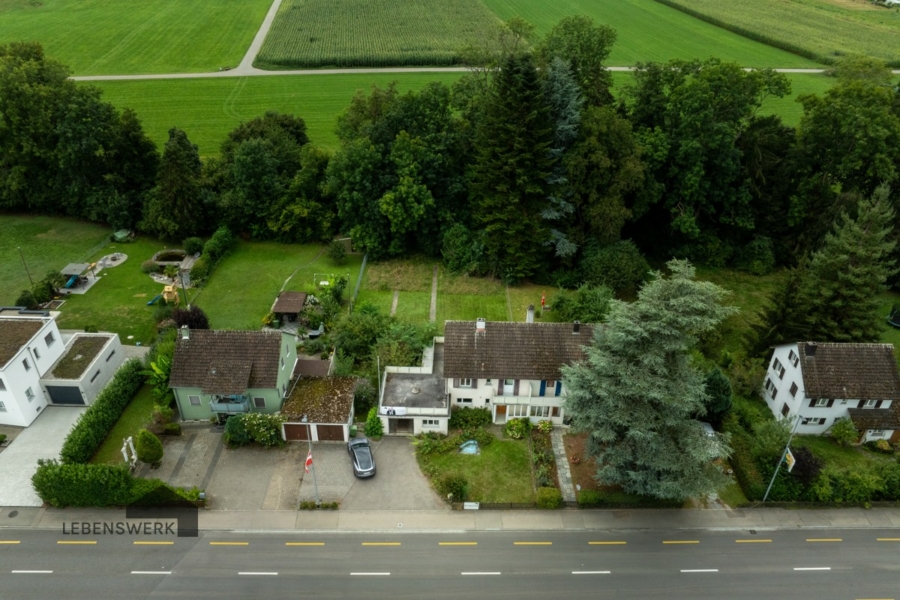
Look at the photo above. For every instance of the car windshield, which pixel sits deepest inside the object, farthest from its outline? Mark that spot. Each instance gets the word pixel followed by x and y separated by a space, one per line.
pixel 363 457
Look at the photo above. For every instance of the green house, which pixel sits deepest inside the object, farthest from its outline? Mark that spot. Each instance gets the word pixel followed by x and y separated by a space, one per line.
pixel 221 373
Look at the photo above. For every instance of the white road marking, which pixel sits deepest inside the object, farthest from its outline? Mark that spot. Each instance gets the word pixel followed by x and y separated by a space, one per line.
pixel 373 574
pixel 256 573
pixel 480 573
pixel 32 572
pixel 151 572
pixel 812 568
pixel 590 572
pixel 699 570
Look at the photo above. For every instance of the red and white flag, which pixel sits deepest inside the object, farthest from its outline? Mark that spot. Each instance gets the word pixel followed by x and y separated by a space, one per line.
pixel 308 460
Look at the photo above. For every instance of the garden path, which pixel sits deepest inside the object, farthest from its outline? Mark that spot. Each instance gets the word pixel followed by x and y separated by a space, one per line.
pixel 562 466
pixel 394 302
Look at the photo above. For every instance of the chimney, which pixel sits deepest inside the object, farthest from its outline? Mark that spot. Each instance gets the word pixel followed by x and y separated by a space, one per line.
pixel 529 314
pixel 576 327
pixel 480 325
pixel 810 350
pixel 185 332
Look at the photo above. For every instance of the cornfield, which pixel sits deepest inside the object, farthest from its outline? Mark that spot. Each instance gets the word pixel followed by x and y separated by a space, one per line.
pixel 374 33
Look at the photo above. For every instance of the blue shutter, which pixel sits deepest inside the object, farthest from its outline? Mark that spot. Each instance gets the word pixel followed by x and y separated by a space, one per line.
pixel 558 387
pixel 543 386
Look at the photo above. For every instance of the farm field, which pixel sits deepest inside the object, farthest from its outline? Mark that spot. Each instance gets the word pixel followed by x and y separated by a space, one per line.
pixel 94 37
pixel 47 243
pixel 373 33
pixel 207 109
pixel 824 28
pixel 650 31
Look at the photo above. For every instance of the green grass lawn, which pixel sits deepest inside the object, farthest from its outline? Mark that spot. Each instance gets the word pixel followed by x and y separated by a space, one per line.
pixel 501 473
pixel 137 415
pixel 118 302
pixel 468 307
pixel 94 37
pixel 307 277
pixel 47 243
pixel 380 300
pixel 413 307
pixel 839 457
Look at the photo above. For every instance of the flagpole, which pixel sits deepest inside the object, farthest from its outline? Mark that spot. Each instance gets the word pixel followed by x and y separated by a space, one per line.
pixel 313 465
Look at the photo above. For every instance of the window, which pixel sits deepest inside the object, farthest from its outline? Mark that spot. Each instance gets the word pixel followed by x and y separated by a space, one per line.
pixel 551 383
pixel 540 411
pixel 464 401
pixel 195 400
pixel 37 354
pixel 2 407
pixel 821 402
pixel 516 410
pixel 870 404
pixel 282 362
pixel 793 358
pixel 430 423
pixel 876 432
pixel 554 412
pixel 770 387
pixel 111 354
pixel 794 389
pixel 259 402
pixel 779 368
pixel 466 383
pixel 488 380
pixel 96 375
pixel 2 386
pixel 27 364
pixel 49 339
pixel 817 421
pixel 785 410
pixel 29 394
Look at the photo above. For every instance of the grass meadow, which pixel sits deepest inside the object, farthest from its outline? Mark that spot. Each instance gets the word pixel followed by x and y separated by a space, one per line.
pixel 94 37
pixel 374 33
pixel 824 29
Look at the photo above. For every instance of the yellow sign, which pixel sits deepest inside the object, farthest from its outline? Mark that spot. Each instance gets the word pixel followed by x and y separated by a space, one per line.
pixel 790 460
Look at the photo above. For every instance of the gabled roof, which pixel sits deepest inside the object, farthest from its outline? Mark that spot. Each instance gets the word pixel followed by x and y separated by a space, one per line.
pixel 506 350
pixel 227 362
pixel 849 371
pixel 15 333
pixel 289 302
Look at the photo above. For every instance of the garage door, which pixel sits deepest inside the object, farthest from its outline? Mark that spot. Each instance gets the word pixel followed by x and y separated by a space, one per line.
pixel 60 394
pixel 331 433
pixel 295 432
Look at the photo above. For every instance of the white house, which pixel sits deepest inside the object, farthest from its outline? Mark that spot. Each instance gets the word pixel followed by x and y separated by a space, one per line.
pixel 511 368
pixel 414 400
pixel 824 382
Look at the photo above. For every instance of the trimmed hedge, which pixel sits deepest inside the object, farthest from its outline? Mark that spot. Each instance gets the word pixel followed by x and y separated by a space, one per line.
pixel 466 417
pixel 549 498
pixel 98 420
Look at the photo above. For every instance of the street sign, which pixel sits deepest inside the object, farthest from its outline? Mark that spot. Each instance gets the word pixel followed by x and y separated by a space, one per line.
pixel 789 460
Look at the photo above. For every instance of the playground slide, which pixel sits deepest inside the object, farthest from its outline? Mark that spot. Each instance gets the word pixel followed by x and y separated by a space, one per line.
pixel 152 302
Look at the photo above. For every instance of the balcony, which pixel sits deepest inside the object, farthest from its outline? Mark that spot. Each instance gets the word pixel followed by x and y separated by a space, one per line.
pixel 230 405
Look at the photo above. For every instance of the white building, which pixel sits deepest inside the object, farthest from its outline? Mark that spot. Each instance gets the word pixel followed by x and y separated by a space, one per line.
pixel 414 400
pixel 824 382
pixel 39 365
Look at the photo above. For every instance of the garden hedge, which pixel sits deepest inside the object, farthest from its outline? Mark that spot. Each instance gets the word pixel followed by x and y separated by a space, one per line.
pixel 98 420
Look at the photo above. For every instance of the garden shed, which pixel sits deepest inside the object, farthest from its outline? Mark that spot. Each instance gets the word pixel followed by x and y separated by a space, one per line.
pixel 288 306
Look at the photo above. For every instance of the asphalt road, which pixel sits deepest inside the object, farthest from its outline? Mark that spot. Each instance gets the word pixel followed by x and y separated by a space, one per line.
pixel 811 564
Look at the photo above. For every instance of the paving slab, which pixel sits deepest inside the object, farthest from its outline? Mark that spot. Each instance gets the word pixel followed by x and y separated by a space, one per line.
pixel 333 473
pixel 241 478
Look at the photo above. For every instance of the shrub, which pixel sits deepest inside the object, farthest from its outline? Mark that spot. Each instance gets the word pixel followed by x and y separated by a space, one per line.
pixel 148 447
pixel 374 426
pixel 265 429
pixel 807 467
pixel 757 257
pixel 452 487
pixel 890 480
pixel 479 434
pixel 236 433
pixel 364 396
pixel 96 422
pixel 462 250
pixel 545 426
pixel 26 299
pixel 200 269
pixel 162 313
pixel 218 245
pixel 150 266
pixel 172 429
pixel 549 498
pixel 590 498
pixel 518 429
pixel 193 245
pixel 844 432
pixel 588 304
pixel 620 266
pixel 171 271
pixel 466 418
pixel 193 317
pixel 337 252
pixel 543 476
pixel 745 469
pixel 429 443
pixel 2 437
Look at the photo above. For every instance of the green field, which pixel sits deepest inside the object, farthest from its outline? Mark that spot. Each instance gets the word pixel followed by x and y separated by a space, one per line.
pixel 47 243
pixel 823 28
pixel 649 31
pixel 94 37
pixel 374 33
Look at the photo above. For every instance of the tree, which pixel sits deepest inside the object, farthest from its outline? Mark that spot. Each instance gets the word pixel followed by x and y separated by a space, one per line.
pixel 176 207
pixel 374 426
pixel 781 319
pixel 587 304
pixel 718 397
pixel 509 186
pixel 193 317
pixel 148 447
pixel 462 250
pixel 355 335
pixel 26 298
pixel 255 184
pixel 337 252
pixel 637 391
pixel 585 47
pixel 307 212
pixel 136 161
pixel 844 432
pixel 839 293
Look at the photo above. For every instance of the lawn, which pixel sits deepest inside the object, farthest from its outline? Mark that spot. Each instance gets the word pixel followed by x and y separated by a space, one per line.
pixel 47 243
pixel 207 109
pixel 824 28
pixel 650 31
pixel 839 457
pixel 381 300
pixel 500 474
pixel 137 416
pixel 374 33
pixel 95 37
pixel 405 275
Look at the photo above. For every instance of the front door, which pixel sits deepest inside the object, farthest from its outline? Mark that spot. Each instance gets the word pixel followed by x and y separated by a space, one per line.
pixel 500 414
pixel 509 386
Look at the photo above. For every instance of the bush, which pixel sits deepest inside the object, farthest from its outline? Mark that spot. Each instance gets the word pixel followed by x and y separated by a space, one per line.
pixel 452 487
pixel 162 313
pixel 589 498
pixel 171 271
pixel 337 252
pixel 757 257
pixel 619 266
pixel 150 266
pixel 463 251
pixel 549 498
pixel 148 447
pixel 374 426
pixel 466 418
pixel 193 317
pixel 364 397
pixel 588 304
pixel 236 433
pixel 200 269
pixel 890 482
pixel 218 245
pixel 745 469
pixel 545 426
pixel 851 486
pixel 193 245
pixel 98 420
pixel 172 429
pixel 2 437
pixel 479 434
pixel 844 432
pixel 26 299
pixel 265 429
pixel 518 429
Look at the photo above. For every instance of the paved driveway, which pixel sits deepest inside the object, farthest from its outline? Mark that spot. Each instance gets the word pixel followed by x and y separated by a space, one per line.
pixel 43 439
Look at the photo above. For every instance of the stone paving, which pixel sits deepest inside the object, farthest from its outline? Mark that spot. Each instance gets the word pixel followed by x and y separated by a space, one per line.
pixel 334 473
pixel 566 485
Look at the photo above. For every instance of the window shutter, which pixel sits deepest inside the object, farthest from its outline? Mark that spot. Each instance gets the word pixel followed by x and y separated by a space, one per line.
pixel 456 382
pixel 861 404
pixel 878 404
pixel 831 403
pixel 558 387
pixel 516 388
pixel 499 387
pixel 812 402
pixel 474 384
pixel 543 386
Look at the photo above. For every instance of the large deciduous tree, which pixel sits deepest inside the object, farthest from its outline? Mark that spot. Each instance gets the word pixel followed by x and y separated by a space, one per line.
pixel 637 391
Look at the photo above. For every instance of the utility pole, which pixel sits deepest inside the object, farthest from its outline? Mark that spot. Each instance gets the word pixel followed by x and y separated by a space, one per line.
pixel 183 290
pixel 27 272
pixel 783 454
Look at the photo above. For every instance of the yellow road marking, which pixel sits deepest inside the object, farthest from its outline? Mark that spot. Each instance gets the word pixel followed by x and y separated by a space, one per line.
pixel 381 543
pixel 9 542
pixel 229 543
pixel 752 541
pixel 457 543
pixel 304 543
pixel 824 540
pixel 153 543
pixel 681 541
pixel 879 539
pixel 533 543
pixel 607 543
pixel 77 543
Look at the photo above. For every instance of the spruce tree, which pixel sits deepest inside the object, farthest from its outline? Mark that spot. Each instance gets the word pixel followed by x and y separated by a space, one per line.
pixel 175 207
pixel 637 391
pixel 512 165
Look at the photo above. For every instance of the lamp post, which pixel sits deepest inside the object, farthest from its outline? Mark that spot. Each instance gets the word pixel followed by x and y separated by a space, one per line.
pixel 783 455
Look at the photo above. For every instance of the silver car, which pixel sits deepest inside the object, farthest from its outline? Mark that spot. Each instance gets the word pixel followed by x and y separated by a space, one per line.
pixel 361 456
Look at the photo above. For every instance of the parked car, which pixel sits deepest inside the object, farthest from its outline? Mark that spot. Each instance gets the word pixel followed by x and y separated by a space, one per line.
pixel 708 429
pixel 361 457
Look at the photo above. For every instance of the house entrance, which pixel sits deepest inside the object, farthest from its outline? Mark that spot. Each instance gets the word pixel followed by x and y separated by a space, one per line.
pixel 500 413
pixel 400 426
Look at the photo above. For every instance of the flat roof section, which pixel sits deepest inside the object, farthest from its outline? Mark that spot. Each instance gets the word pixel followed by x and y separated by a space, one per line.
pixel 15 333
pixel 414 391
pixel 79 356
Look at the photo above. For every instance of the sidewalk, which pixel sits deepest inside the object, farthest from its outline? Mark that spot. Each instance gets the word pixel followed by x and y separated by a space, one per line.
pixel 487 520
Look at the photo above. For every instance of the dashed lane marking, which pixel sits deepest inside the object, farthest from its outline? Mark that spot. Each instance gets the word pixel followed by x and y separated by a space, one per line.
pixel 76 543
pixel 590 572
pixel 370 574
pixel 480 573
pixel 9 542
pixel 151 572
pixel 153 543
pixel 607 543
pixel 257 573
pixel 26 572
pixel 824 539
pixel 304 543
pixel 879 539
pixel 699 570
pixel 812 568
pixel 752 541
pixel 229 543
pixel 532 543
pixel 681 541
pixel 381 543
pixel 457 543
